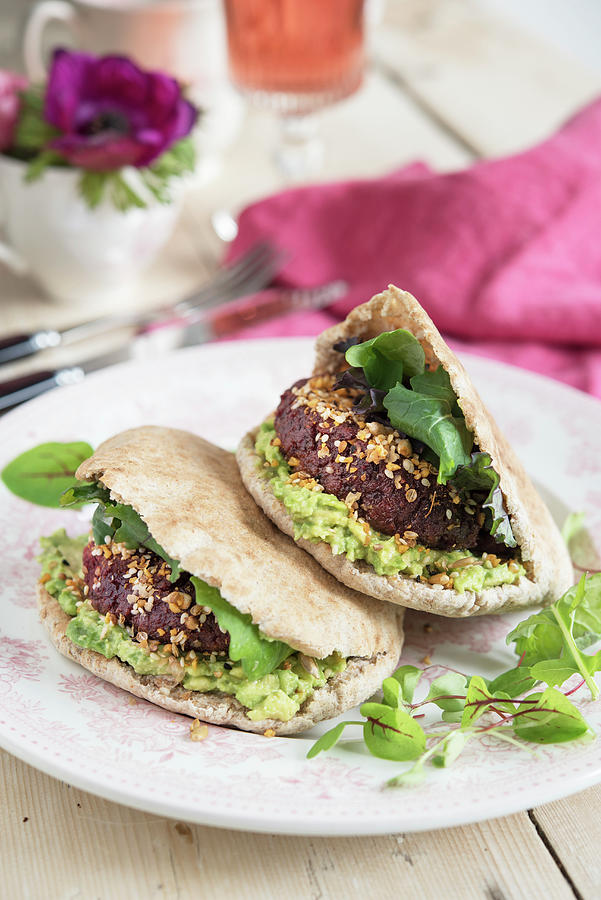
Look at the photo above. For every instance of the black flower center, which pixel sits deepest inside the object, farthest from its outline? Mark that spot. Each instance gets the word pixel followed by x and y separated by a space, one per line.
pixel 110 120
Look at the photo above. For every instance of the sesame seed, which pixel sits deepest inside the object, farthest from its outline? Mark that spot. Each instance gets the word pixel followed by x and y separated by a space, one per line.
pixel 198 732
pixel 463 562
pixel 441 578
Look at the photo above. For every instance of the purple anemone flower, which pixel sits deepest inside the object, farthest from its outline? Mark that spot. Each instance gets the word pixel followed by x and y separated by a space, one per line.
pixel 110 113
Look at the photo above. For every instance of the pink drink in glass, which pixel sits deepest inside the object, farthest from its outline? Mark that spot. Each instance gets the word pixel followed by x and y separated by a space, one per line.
pixel 295 56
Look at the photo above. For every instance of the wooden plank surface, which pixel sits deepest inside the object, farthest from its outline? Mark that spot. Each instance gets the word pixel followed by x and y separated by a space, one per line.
pixel 495 87
pixel 79 846
pixel 572 828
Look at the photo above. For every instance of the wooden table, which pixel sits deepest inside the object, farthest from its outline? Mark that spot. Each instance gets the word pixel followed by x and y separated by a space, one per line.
pixel 448 85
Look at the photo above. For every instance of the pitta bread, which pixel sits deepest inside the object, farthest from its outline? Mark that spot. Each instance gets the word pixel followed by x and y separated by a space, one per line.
pixel 190 494
pixel 544 553
pixel 360 679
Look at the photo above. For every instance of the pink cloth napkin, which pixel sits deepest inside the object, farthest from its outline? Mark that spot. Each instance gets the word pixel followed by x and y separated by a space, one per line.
pixel 505 256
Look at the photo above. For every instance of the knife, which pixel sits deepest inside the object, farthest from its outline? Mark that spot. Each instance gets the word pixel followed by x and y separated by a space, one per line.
pixel 251 273
pixel 26 387
pixel 214 324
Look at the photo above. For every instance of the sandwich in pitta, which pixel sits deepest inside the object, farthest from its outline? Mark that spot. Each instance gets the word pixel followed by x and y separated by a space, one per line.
pixel 191 598
pixel 386 466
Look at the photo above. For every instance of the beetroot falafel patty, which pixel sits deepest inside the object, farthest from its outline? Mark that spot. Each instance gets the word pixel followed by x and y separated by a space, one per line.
pixel 372 468
pixel 133 587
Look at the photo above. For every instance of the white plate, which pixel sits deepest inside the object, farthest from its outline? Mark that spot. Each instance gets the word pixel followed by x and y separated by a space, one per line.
pixel 76 727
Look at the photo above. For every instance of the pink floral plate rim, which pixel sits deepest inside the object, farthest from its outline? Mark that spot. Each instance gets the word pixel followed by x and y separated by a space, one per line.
pixel 72 725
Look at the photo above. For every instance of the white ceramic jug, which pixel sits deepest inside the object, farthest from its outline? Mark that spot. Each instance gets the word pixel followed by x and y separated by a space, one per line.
pixel 185 38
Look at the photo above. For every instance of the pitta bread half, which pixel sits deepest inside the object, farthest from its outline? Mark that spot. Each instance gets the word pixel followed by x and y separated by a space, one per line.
pixel 360 679
pixel 190 494
pixel 543 551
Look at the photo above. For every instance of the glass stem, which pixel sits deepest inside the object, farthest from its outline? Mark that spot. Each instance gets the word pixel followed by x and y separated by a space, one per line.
pixel 299 154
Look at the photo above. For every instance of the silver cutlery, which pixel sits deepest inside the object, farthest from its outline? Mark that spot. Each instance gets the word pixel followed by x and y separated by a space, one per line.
pixel 216 323
pixel 252 272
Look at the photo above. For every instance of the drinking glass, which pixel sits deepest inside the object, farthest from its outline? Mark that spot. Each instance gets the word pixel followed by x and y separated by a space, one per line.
pixel 295 57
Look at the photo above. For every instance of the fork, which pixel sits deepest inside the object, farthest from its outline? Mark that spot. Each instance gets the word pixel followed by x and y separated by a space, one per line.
pixel 251 272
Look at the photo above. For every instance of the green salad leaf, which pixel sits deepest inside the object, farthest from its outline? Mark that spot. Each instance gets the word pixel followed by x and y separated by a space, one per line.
pixel 478 475
pixel 572 526
pixel 408 678
pixel 40 475
pixel 423 405
pixel 446 692
pixel 552 719
pixel 392 733
pixel 329 739
pixel 553 671
pixel 393 693
pixel 388 358
pixel 259 655
pixel 514 682
pixel 519 707
pixel 117 520
pixel 451 748
pixel 561 632
pixel 85 492
pixel 580 543
pixel 431 420
pixel 436 384
pixel 477 701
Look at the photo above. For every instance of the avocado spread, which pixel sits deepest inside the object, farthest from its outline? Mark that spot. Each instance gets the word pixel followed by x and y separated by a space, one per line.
pixel 319 516
pixel 278 695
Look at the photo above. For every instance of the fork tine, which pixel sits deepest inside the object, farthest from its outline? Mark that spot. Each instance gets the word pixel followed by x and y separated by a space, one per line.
pixel 255 263
pixel 248 261
pixel 230 277
pixel 223 276
pixel 259 271
pixel 263 276
pixel 253 271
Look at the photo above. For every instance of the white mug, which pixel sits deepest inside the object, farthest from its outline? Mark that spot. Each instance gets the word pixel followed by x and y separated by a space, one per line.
pixel 185 38
pixel 75 253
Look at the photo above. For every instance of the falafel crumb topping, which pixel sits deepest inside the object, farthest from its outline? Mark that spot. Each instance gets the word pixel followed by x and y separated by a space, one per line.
pixel 337 521
pixel 375 442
